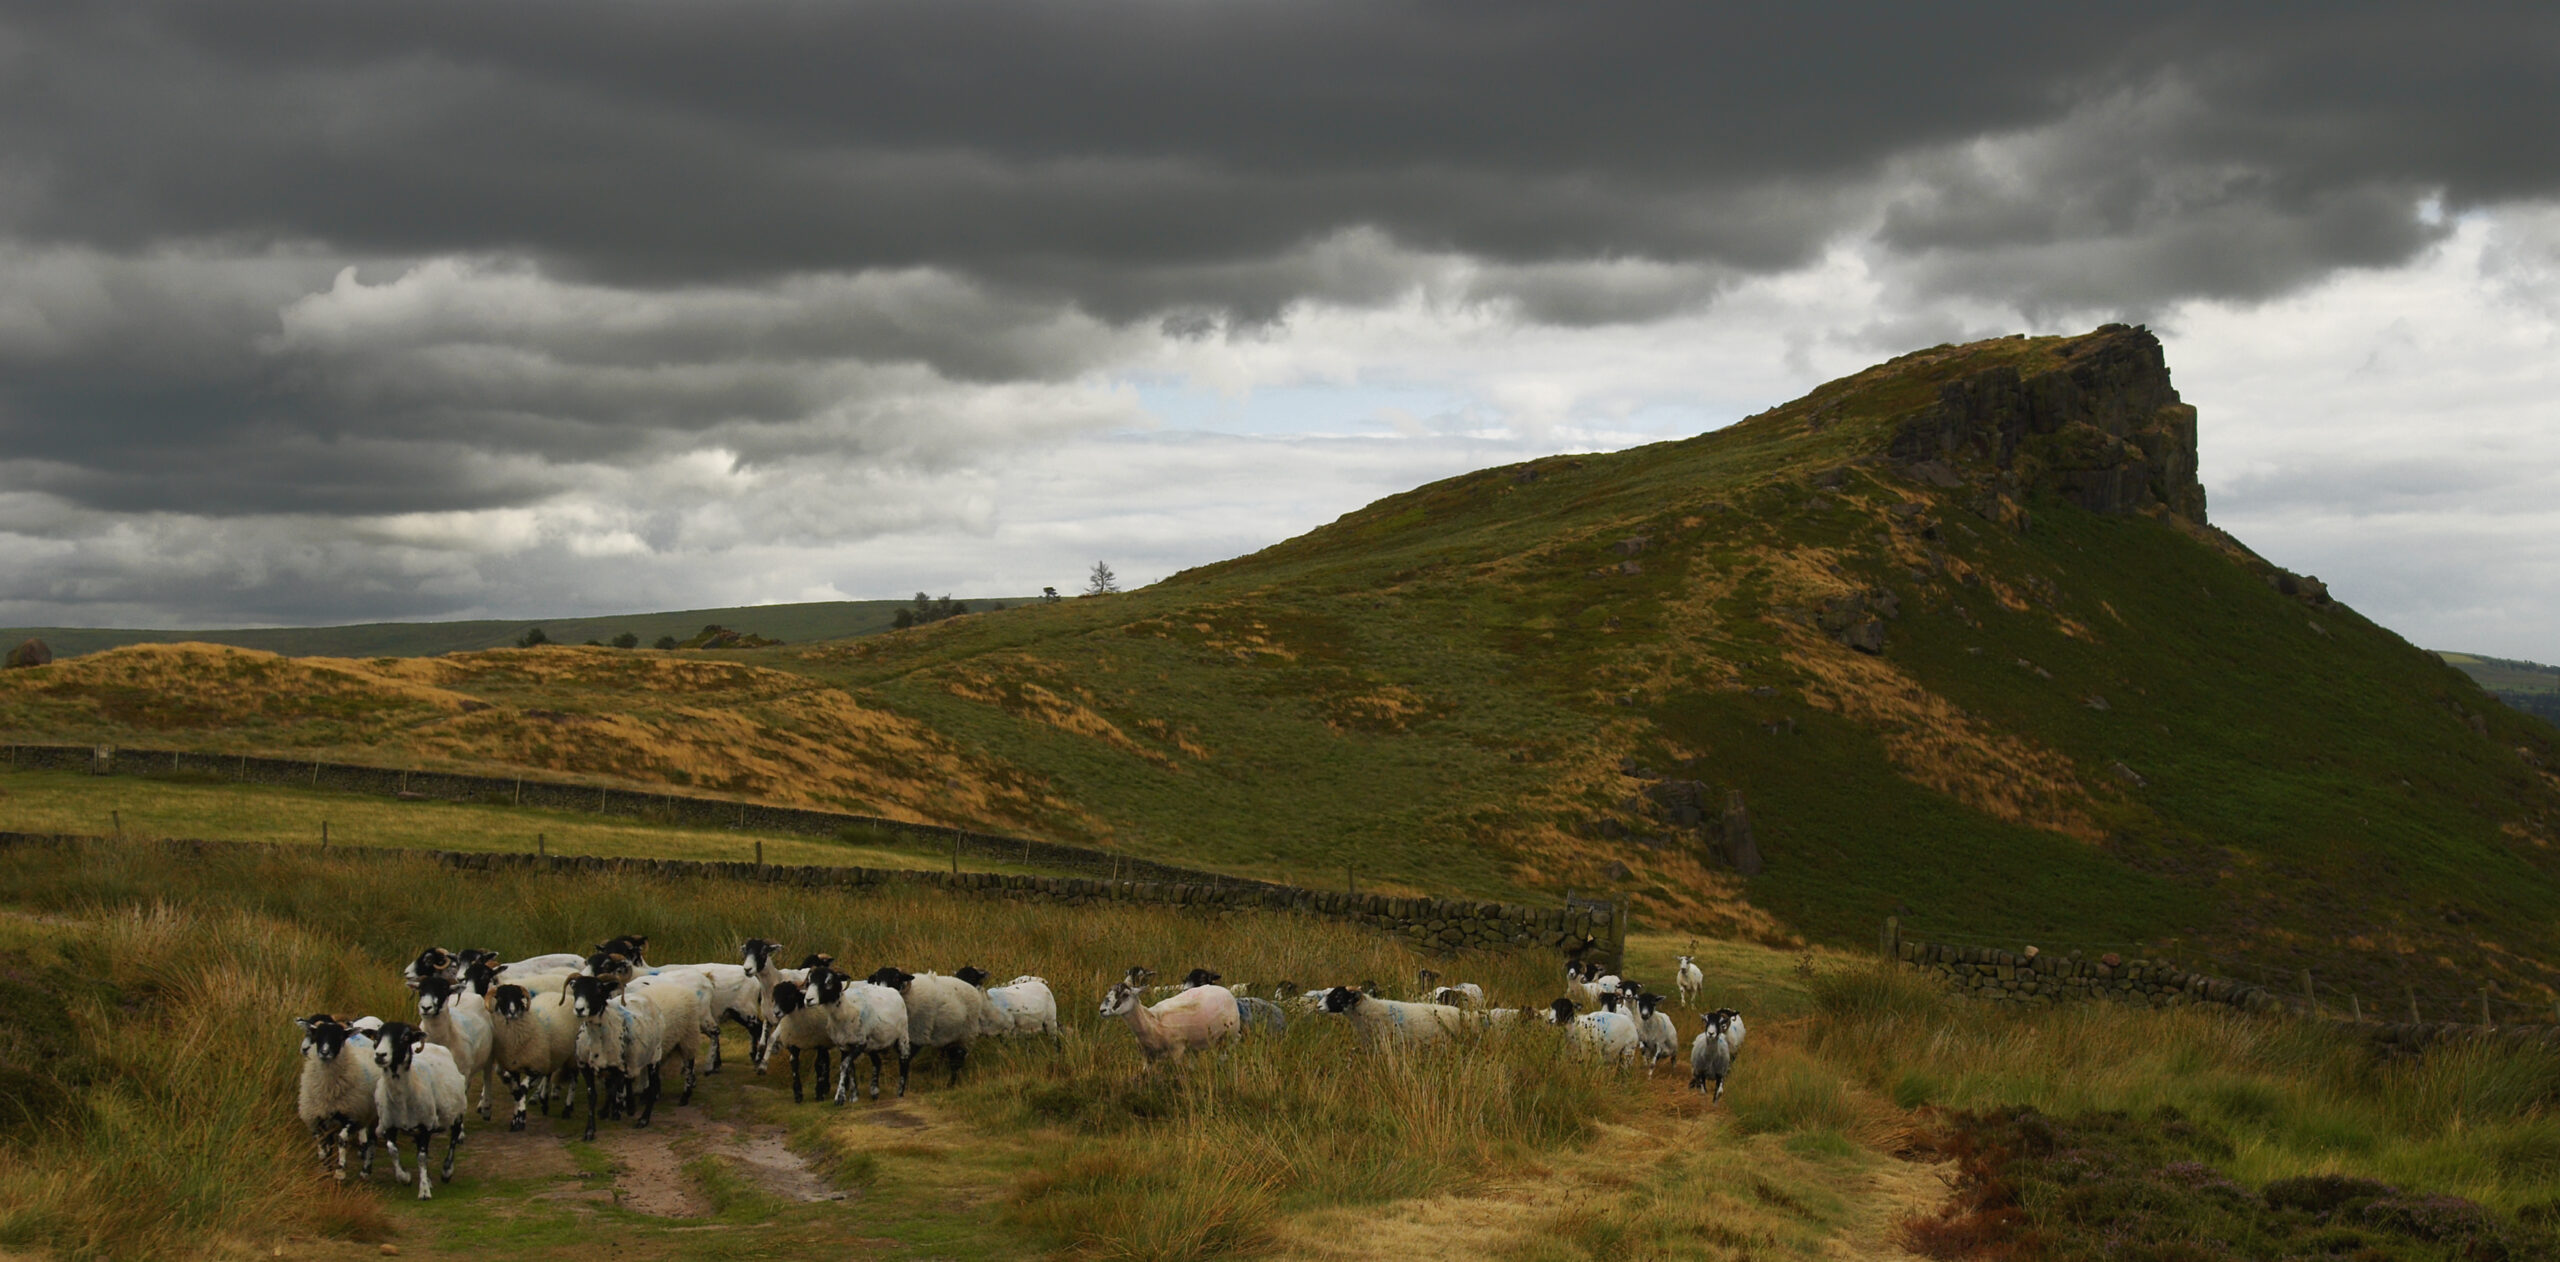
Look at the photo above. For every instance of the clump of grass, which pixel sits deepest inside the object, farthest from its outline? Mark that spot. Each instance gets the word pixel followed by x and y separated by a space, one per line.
pixel 203 960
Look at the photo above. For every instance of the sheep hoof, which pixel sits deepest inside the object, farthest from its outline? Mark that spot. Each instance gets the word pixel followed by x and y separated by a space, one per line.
pixel 516 1125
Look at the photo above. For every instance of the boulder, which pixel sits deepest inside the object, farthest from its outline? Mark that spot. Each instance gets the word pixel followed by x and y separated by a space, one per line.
pixel 32 653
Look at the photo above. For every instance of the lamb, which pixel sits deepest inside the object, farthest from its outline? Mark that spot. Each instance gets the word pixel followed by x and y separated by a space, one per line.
pixel 1657 1036
pixel 757 956
pixel 532 1041
pixel 1202 1016
pixel 336 1095
pixel 1690 980
pixel 419 1091
pixel 943 1012
pixel 1711 1053
pixel 458 1020
pixel 1385 1020
pixel 1024 1005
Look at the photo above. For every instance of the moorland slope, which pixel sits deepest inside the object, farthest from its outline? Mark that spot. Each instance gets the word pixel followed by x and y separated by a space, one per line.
pixel 1951 638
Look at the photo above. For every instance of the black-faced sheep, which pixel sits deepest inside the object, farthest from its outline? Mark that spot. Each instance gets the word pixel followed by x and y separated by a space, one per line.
pixel 419 1092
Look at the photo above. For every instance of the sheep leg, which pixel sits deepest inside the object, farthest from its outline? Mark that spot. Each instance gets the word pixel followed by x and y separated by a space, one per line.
pixel 648 1100
pixel 453 1145
pixel 714 1032
pixel 956 1056
pixel 519 1086
pixel 906 1057
pixel 689 1080
pixel 796 1097
pixel 844 1074
pixel 587 1078
pixel 819 1082
pixel 875 1073
pixel 364 1150
pixel 320 1130
pixel 425 1193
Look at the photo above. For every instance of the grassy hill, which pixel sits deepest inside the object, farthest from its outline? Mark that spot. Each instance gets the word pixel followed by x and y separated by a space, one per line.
pixel 1952 637
pixel 796 624
pixel 2528 686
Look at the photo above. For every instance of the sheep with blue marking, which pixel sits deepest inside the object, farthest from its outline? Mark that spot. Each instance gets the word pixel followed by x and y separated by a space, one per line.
pixel 419 1091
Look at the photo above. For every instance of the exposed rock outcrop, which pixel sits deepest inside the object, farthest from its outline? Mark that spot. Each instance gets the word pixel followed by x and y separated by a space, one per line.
pixel 31 653
pixel 2104 431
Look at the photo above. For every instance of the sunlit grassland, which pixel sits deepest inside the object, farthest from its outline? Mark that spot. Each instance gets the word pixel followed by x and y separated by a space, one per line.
pixel 180 973
pixel 155 807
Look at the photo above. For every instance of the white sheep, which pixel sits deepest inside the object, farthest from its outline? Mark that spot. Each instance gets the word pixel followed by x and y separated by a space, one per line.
pixel 1202 1016
pixel 1657 1036
pixel 943 1012
pixel 419 1092
pixel 1732 1026
pixel 458 1020
pixel 1384 1021
pixel 759 957
pixel 1462 995
pixel 335 1097
pixel 1711 1053
pixel 836 1013
pixel 803 1021
pixel 1610 1034
pixel 1690 980
pixel 627 1034
pixel 1023 1006
pixel 731 994
pixel 535 1040
pixel 683 999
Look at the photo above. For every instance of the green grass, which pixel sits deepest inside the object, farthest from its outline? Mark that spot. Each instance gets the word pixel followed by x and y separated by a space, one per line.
pixel 155 807
pixel 2501 674
pixel 178 975
pixel 1446 689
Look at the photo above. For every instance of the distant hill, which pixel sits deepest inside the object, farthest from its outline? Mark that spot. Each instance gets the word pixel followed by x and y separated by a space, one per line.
pixel 796 624
pixel 1951 639
pixel 2528 686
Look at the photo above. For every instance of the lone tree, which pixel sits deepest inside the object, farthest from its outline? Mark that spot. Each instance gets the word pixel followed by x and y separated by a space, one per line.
pixel 666 641
pixel 1103 582
pixel 1049 593
pixel 533 637
pixel 626 640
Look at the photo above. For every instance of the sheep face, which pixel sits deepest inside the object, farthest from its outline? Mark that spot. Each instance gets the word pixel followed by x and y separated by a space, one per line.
pixel 589 996
pixel 1343 999
pixel 1284 990
pixel 467 957
pixel 1646 1002
pixel 973 974
pixel 434 993
pixel 829 984
pixel 479 975
pixel 1119 1000
pixel 757 954
pixel 394 1048
pixel 511 1001
pixel 431 961
pixel 788 998
pixel 322 1036
pixel 634 946
pixel 892 977
pixel 1561 1012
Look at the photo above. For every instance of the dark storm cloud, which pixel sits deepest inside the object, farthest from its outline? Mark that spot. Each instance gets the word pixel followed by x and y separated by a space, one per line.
pixel 1132 155
pixel 616 260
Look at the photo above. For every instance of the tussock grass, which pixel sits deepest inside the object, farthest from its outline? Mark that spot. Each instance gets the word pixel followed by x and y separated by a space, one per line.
pixel 2282 1097
pixel 186 1131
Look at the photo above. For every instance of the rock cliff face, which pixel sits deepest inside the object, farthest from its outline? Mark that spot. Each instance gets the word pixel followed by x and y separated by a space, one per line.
pixel 2104 431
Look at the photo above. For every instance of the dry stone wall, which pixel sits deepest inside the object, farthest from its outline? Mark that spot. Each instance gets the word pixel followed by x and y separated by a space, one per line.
pixel 2009 977
pixel 1440 925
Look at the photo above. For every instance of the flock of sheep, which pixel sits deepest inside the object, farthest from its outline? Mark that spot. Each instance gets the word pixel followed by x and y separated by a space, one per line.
pixel 612 1025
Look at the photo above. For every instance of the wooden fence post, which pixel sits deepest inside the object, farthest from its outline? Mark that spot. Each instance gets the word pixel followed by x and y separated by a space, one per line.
pixel 2310 995
pixel 2414 1018
pixel 541 845
pixel 324 834
pixel 2486 1019
pixel 1889 942
pixel 759 856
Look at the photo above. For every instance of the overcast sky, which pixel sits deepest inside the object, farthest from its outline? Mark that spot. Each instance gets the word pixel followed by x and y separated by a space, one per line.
pixel 317 312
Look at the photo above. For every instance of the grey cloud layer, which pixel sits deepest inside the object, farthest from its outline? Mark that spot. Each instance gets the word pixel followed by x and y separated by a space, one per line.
pixel 1133 154
pixel 640 286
